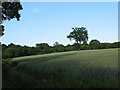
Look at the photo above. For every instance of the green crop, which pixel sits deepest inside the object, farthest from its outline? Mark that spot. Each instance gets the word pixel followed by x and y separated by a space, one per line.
pixel 88 68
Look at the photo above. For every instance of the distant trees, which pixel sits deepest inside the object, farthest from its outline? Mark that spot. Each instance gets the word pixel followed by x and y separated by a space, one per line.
pixel 43 48
pixel 115 44
pixel 70 47
pixel 56 43
pixel 79 34
pixel 12 50
pixel 58 47
pixel 94 42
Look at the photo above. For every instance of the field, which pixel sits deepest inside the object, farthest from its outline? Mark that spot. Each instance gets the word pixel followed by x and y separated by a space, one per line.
pixel 82 69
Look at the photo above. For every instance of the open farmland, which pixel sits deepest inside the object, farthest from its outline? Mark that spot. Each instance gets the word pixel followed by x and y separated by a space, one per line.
pixel 83 69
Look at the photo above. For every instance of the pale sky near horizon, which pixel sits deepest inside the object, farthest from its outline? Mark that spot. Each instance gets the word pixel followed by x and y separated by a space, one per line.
pixel 48 22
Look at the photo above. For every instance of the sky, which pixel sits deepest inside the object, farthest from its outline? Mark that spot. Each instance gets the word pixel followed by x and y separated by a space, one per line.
pixel 48 22
pixel 70 0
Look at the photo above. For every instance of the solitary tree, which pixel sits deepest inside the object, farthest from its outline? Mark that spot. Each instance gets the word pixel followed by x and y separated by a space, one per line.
pixel 8 11
pixel 79 34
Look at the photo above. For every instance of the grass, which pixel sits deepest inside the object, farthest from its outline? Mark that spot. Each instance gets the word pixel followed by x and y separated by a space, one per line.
pixel 82 69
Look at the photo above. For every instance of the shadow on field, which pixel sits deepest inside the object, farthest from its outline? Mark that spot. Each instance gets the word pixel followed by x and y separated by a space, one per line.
pixel 40 73
pixel 40 59
pixel 98 78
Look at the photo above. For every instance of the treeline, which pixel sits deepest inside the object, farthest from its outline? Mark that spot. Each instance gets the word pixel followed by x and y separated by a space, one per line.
pixel 12 50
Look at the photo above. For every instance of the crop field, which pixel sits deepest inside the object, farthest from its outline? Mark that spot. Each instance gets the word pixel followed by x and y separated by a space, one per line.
pixel 81 69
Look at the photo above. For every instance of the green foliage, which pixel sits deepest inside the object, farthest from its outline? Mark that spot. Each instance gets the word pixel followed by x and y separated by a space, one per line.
pixel 85 43
pixel 115 44
pixel 85 47
pixel 13 50
pixel 4 47
pixel 9 53
pixel 59 48
pixel 79 34
pixel 94 42
pixel 1 30
pixel 43 48
pixel 69 48
pixel 104 45
pixel 10 10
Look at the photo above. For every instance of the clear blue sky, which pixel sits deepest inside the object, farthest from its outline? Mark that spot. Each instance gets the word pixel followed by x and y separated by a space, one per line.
pixel 47 22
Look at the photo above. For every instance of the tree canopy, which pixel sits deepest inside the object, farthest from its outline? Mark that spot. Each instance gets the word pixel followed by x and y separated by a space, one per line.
pixel 79 34
pixel 9 10
pixel 13 50
pixel 94 42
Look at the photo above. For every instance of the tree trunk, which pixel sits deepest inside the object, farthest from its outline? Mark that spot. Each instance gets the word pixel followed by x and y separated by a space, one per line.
pixel 78 47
